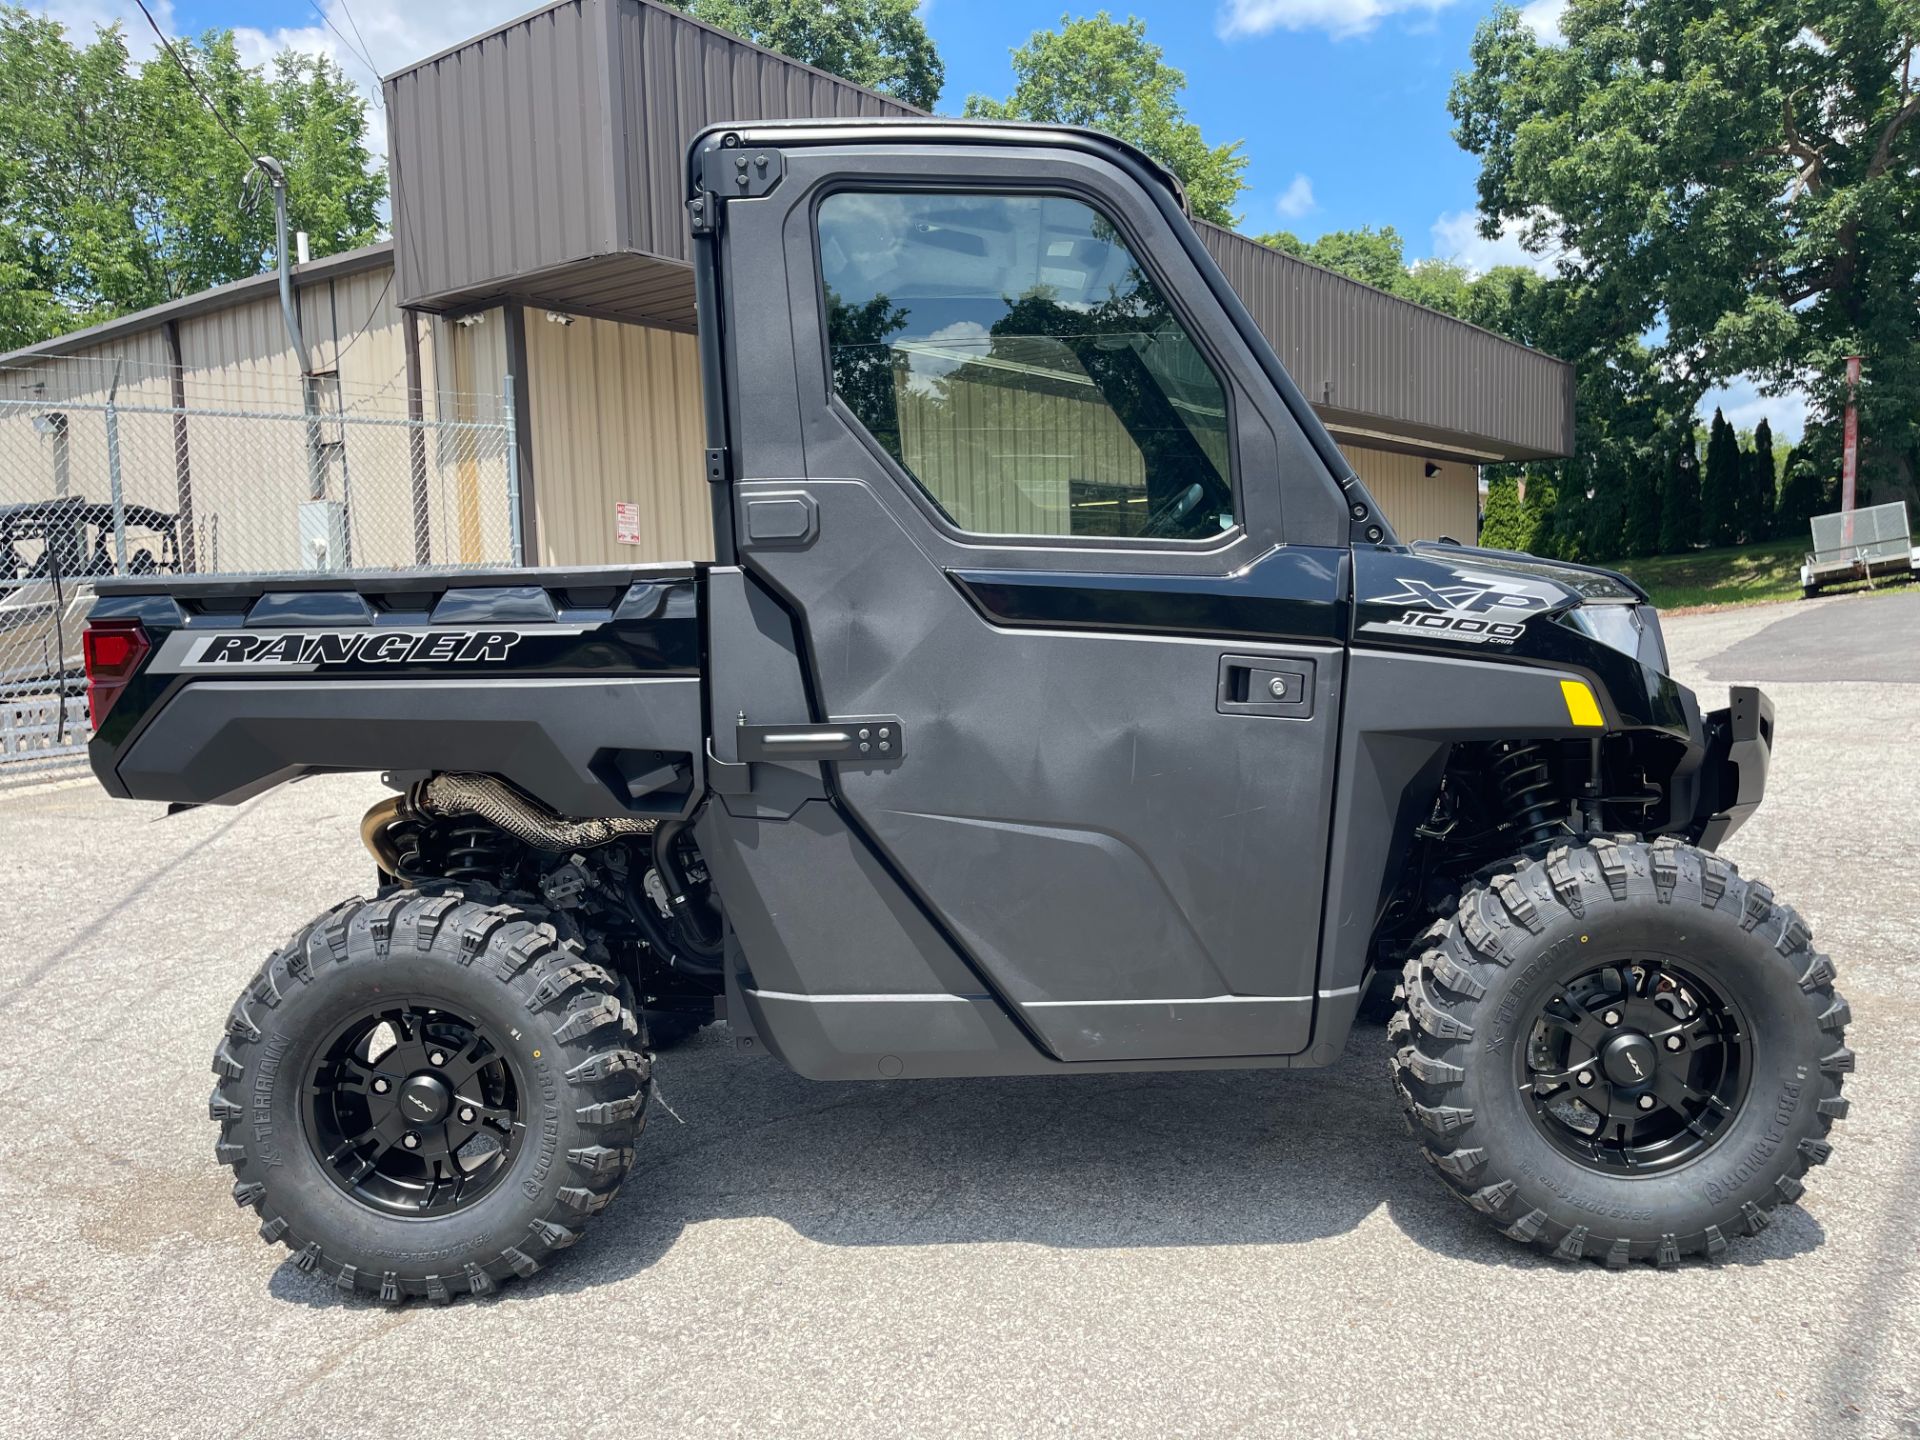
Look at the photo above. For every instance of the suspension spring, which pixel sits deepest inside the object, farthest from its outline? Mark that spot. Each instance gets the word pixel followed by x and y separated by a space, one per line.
pixel 1524 780
pixel 475 852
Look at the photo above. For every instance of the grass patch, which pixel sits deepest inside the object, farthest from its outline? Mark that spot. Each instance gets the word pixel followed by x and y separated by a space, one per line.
pixel 1738 575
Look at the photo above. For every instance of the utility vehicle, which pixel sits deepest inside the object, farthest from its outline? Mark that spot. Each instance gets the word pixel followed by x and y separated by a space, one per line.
pixel 1057 702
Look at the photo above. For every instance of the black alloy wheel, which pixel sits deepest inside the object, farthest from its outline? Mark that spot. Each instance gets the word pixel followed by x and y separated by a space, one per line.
pixel 1635 1067
pixel 413 1110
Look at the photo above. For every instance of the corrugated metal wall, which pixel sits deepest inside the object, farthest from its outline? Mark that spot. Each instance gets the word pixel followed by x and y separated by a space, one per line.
pixel 1001 460
pixel 499 152
pixel 617 419
pixel 675 78
pixel 1351 348
pixel 1420 507
pixel 562 137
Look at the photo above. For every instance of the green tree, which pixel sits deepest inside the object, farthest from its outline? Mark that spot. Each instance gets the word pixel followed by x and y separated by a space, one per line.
pixel 118 190
pixel 1758 490
pixel 1519 509
pixel 1740 178
pixel 1373 257
pixel 1680 496
pixel 1104 73
pixel 863 362
pixel 1503 524
pixel 1803 495
pixel 1640 535
pixel 1720 485
pixel 1603 519
pixel 881 44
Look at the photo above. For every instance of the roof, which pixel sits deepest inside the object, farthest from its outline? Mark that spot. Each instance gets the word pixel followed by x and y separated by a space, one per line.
pixel 220 297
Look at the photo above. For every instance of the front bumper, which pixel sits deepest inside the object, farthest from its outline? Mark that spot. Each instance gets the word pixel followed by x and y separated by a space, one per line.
pixel 1733 776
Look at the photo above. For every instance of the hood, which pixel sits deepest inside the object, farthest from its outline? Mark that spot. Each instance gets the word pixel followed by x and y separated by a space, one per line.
pixel 1590 584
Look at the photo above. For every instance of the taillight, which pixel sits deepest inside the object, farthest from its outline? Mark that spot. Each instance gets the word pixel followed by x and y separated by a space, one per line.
pixel 113 650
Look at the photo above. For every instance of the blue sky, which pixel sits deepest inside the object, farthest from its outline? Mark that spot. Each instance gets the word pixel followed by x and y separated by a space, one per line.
pixel 1341 103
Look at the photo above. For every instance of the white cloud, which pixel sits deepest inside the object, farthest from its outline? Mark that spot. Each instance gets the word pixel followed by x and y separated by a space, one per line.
pixel 388 33
pixel 1745 407
pixel 83 17
pixel 1457 237
pixel 1297 199
pixel 1339 18
pixel 1543 18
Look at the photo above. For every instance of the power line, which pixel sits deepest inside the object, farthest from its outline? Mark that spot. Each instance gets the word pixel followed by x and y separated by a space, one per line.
pixel 372 311
pixel 193 84
pixel 359 54
pixel 365 49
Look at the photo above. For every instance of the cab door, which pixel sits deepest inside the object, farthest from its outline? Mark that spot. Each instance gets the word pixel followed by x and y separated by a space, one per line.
pixel 1070 577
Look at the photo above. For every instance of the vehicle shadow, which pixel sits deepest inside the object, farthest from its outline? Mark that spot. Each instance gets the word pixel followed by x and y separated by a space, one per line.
pixel 1096 1161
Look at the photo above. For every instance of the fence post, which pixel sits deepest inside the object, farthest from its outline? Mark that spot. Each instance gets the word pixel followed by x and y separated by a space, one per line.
pixel 114 491
pixel 513 474
pixel 417 442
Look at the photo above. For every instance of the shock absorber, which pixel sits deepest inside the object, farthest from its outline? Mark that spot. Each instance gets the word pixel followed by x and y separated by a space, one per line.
pixel 1525 784
pixel 474 852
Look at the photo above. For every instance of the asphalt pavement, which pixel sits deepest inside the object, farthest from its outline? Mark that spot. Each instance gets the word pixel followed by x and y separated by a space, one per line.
pixel 1208 1254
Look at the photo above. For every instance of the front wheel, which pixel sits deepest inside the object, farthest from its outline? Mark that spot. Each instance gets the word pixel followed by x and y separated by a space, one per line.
pixel 1622 1051
pixel 427 1095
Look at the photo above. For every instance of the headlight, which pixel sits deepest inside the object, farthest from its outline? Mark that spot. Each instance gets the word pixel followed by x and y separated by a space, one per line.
pixel 1631 629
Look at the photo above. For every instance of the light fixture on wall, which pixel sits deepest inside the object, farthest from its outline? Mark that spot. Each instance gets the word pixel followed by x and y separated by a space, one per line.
pixel 557 318
pixel 467 322
pixel 1430 470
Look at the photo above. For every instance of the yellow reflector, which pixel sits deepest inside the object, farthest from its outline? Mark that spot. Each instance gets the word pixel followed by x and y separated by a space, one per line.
pixel 1582 708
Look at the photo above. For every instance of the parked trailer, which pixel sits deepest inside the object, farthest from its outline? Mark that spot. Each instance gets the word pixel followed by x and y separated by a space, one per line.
pixel 1875 545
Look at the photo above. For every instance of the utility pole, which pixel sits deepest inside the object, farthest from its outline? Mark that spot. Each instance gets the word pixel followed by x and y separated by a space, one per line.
pixel 1850 456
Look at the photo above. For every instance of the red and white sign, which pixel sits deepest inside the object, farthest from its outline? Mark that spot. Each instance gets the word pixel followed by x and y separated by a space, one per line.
pixel 626 522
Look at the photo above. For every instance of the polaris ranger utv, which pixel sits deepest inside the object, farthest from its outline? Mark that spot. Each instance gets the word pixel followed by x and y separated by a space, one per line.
pixel 1058 702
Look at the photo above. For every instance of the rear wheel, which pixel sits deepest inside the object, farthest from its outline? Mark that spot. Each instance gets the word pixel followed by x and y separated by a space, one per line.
pixel 1622 1051
pixel 429 1095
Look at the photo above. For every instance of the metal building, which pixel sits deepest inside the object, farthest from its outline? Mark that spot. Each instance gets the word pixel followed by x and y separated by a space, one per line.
pixel 539 234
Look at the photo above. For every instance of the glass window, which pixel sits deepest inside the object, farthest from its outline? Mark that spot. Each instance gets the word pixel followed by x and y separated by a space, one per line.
pixel 1022 366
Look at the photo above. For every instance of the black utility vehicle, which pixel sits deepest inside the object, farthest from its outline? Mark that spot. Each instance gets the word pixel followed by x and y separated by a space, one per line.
pixel 1058 702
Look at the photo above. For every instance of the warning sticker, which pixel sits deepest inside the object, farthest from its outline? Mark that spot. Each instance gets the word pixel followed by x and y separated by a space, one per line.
pixel 626 522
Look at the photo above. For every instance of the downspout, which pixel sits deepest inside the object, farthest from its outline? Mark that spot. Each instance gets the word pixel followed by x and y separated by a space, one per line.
pixel 290 312
pixel 277 177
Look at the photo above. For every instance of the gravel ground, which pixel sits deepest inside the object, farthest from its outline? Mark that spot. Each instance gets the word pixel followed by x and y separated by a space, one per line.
pixel 1190 1254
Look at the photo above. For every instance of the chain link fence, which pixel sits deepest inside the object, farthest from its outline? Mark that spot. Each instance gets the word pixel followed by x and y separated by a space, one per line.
pixel 110 469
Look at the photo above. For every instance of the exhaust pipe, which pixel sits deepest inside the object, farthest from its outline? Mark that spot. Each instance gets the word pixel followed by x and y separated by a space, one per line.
pixel 446 797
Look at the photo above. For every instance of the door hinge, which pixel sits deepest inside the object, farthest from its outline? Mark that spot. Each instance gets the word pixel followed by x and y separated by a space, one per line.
pixel 717 465
pixel 741 172
pixel 703 213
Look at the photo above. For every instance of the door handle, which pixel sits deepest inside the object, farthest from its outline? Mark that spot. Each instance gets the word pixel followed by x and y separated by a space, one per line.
pixel 860 740
pixel 1265 685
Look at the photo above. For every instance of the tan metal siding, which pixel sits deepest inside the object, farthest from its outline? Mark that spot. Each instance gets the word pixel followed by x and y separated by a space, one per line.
pixel 1420 507
pixel 617 417
pixel 466 498
pixel 132 371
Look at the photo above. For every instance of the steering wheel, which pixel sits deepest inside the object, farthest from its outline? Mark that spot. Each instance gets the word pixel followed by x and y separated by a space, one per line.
pixel 1175 510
